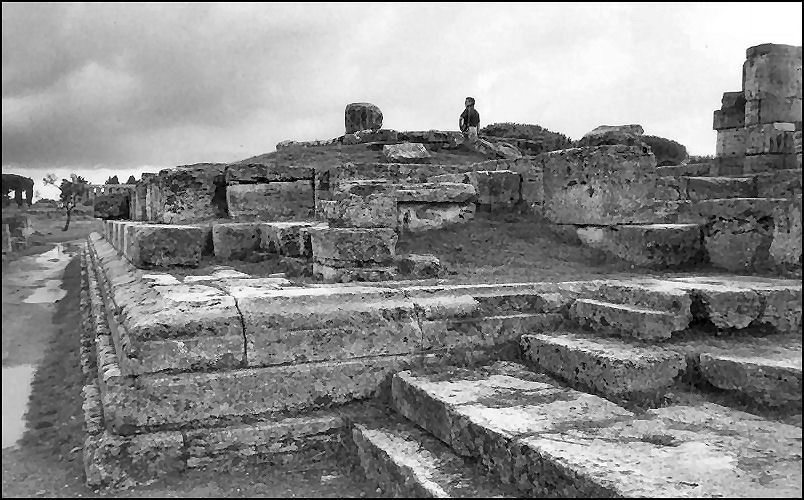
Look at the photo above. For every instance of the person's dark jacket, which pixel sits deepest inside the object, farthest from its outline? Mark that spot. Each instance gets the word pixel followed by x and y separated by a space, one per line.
pixel 469 118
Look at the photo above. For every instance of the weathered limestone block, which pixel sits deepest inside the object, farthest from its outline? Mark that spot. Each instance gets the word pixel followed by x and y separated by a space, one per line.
pixel 436 192
pixel 419 266
pixel 625 320
pixel 497 189
pixel 600 185
pixel 292 200
pixel 124 461
pixel 345 273
pixel 779 184
pixel 652 245
pixel 366 136
pixel 251 173
pixel 362 116
pixel 772 109
pixel 486 331
pixel 284 238
pixel 766 163
pixel 406 153
pixel 357 247
pixel 730 142
pixel 728 165
pixel 416 217
pixel 772 69
pixel 772 384
pixel 769 138
pixel 184 194
pixel 608 366
pixel 731 113
pixel 738 231
pixel 785 249
pixel 362 204
pixel 236 240
pixel 436 139
pixel 628 135
pixel 147 245
pixel 707 188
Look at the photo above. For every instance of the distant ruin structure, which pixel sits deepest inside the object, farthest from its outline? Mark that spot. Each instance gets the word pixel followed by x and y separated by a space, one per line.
pixel 20 185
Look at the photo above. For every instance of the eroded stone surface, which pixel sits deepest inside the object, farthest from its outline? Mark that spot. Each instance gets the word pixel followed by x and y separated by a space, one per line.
pixel 607 366
pixel 235 240
pixel 406 153
pixel 416 217
pixel 362 116
pixel 600 185
pixel 360 247
pixel 652 245
pixel 273 201
pixel 785 249
pixel 631 321
pixel 162 245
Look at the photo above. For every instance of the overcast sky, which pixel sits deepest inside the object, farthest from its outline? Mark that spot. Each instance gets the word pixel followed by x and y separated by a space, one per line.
pixel 125 88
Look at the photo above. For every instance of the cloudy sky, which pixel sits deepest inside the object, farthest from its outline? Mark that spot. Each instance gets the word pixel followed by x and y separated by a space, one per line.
pixel 103 89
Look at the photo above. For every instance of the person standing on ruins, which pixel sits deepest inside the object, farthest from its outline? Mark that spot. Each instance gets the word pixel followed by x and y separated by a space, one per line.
pixel 469 121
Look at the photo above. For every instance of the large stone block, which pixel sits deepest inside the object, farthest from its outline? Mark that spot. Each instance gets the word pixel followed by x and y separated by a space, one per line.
pixel 362 116
pixel 769 138
pixel 730 142
pixel 772 109
pixel 250 173
pixel 785 250
pixel 784 183
pixel 185 194
pixel 147 245
pixel 497 189
pixel 765 163
pixel 738 231
pixel 417 217
pixel 293 200
pixel 732 111
pixel 728 165
pixel 345 273
pixel 360 247
pixel 406 153
pixel 652 245
pixel 629 135
pixel 367 136
pixel 362 204
pixel 600 185
pixel 706 188
pixel 436 192
pixel 284 238
pixel 772 69
pixel 236 240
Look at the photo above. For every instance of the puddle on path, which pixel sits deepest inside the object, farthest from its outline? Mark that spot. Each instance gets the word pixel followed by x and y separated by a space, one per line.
pixel 16 390
pixel 48 294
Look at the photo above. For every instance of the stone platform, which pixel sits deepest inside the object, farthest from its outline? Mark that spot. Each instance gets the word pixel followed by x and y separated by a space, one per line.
pixel 229 368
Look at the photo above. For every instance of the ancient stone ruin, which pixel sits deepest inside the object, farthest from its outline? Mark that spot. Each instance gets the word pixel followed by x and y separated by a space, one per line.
pixel 454 389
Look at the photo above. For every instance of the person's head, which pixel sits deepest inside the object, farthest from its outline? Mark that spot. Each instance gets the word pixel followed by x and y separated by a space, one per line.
pixel 470 101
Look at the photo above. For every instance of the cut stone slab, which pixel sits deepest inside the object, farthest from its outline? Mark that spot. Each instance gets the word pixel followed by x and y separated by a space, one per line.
pixel 779 184
pixel 730 142
pixel 254 173
pixel 740 301
pixel 769 138
pixel 263 440
pixel 706 188
pixel 772 109
pixel 235 240
pixel 292 200
pixel 190 398
pixel 406 153
pixel 693 169
pixel 553 441
pixel 609 367
pixel 284 238
pixel 785 249
pixel 599 185
pixel 416 217
pixel 658 294
pixel 159 245
pixel 498 189
pixel 626 320
pixel 764 369
pixel 436 192
pixel 406 462
pixel 347 274
pixel 767 163
pixel 738 231
pixel 367 203
pixel 485 331
pixel 362 247
pixel 651 245
pixel 184 194
pixel 419 266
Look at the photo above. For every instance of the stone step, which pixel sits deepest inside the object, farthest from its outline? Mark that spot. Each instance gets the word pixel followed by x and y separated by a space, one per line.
pixel 610 367
pixel 406 462
pixel 706 188
pixel 651 245
pixel 624 320
pixel 555 441
pixel 689 169
pixel 765 370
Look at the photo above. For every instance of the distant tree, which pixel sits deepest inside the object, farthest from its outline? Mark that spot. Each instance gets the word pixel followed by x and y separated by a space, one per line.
pixel 666 151
pixel 550 141
pixel 131 180
pixel 112 180
pixel 71 192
